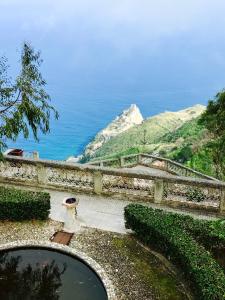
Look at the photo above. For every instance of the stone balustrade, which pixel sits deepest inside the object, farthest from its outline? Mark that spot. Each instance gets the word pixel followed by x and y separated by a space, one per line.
pixel 130 184
pixel 153 162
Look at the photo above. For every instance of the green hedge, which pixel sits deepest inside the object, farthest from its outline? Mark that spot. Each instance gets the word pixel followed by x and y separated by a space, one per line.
pixel 18 205
pixel 159 230
pixel 209 233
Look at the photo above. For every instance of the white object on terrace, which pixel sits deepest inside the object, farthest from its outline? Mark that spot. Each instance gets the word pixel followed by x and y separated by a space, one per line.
pixel 71 223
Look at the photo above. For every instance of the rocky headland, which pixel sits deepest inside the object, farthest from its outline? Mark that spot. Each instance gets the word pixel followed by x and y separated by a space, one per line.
pixel 130 130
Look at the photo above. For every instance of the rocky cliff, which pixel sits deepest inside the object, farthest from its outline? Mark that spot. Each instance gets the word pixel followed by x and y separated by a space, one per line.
pixel 148 133
pixel 128 119
pixel 130 131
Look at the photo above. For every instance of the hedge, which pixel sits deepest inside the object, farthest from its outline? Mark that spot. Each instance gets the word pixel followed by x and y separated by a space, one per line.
pixel 209 233
pixel 159 230
pixel 18 205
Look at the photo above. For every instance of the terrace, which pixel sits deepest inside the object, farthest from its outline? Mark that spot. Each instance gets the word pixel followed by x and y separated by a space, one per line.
pixel 103 192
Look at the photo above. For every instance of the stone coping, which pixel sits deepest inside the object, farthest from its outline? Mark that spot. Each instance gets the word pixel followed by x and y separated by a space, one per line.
pixel 69 251
pixel 119 172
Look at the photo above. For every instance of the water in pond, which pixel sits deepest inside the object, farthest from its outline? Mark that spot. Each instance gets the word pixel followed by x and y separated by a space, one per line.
pixel 42 274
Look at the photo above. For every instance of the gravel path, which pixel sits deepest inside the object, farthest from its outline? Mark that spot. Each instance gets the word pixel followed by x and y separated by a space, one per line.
pixel 28 230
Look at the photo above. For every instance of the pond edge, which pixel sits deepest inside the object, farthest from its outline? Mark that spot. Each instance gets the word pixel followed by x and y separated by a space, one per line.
pixel 69 251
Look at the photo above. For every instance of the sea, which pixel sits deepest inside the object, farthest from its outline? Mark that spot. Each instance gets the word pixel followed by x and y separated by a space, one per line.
pixel 83 112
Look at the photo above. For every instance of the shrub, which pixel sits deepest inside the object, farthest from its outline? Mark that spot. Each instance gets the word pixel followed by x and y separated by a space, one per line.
pixel 159 230
pixel 18 205
pixel 196 195
pixel 209 233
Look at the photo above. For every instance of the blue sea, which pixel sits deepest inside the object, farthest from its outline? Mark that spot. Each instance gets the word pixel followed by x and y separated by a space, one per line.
pixel 99 57
pixel 83 112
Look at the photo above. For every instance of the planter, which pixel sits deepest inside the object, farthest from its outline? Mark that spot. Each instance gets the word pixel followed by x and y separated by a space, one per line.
pixel 71 223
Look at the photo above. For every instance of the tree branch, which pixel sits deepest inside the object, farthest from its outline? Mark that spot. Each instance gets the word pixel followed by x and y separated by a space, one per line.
pixel 11 104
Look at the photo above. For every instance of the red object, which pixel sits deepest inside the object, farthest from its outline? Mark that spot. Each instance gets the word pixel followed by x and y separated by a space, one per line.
pixel 61 237
pixel 16 152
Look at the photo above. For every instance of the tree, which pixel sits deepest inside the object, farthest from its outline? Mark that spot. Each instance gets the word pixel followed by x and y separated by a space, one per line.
pixel 24 103
pixel 20 280
pixel 214 120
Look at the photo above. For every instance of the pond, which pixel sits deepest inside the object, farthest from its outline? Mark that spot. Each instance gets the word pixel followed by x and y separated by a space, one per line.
pixel 41 274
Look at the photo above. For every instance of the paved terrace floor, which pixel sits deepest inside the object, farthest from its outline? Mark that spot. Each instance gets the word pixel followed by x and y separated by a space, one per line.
pixel 149 170
pixel 100 212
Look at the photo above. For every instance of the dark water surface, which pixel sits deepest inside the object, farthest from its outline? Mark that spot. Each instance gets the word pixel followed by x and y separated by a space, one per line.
pixel 41 274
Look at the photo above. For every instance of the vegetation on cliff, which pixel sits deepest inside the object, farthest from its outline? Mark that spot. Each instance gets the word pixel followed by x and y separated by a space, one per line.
pixel 204 140
pixel 214 121
pixel 146 137
pixel 192 137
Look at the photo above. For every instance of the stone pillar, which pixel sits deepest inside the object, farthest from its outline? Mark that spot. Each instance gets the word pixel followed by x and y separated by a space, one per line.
pixel 71 224
pixel 139 159
pixel 98 182
pixel 167 166
pixel 159 190
pixel 222 201
pixel 41 174
pixel 36 155
pixel 121 162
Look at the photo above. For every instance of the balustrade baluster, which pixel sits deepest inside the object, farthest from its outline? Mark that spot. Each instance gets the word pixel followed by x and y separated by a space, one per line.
pixel 98 182
pixel 159 191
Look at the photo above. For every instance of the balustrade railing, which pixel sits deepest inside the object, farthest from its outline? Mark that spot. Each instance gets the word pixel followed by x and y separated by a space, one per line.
pixel 123 183
pixel 151 161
